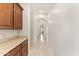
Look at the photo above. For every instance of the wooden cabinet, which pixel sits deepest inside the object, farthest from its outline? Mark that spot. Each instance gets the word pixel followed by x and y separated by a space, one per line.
pixel 10 16
pixel 17 17
pixel 25 48
pixel 20 50
pixel 6 16
pixel 18 53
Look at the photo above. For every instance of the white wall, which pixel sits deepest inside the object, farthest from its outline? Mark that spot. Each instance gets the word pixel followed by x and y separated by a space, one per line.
pixel 31 29
pixel 25 19
pixel 76 29
pixel 64 31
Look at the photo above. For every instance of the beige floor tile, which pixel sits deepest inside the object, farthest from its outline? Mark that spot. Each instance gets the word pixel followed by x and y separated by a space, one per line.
pixel 40 49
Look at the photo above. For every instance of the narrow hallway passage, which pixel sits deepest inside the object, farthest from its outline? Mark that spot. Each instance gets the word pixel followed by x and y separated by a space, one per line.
pixel 39 33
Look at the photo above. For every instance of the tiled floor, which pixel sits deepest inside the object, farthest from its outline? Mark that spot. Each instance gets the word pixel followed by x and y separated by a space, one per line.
pixel 40 49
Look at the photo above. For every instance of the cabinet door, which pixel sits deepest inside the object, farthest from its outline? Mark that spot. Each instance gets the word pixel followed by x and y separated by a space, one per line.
pixel 6 16
pixel 17 17
pixel 18 53
pixel 25 48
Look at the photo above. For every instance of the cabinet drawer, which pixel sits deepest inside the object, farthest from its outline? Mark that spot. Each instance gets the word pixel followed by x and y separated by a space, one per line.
pixel 14 51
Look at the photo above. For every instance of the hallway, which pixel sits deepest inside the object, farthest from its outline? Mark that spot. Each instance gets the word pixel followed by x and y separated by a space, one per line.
pixel 40 49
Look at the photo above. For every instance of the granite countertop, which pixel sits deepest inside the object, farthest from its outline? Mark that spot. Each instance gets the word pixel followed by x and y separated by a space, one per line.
pixel 11 43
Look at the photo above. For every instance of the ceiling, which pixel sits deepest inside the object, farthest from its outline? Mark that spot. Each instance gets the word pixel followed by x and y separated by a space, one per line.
pixel 36 7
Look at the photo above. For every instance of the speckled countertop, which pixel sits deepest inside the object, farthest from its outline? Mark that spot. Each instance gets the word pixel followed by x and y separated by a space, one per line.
pixel 11 43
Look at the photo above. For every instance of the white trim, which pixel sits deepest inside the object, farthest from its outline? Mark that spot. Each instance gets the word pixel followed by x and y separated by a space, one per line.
pixel 28 28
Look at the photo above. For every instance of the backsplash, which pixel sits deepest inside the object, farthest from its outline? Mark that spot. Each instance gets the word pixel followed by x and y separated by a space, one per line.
pixel 8 33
